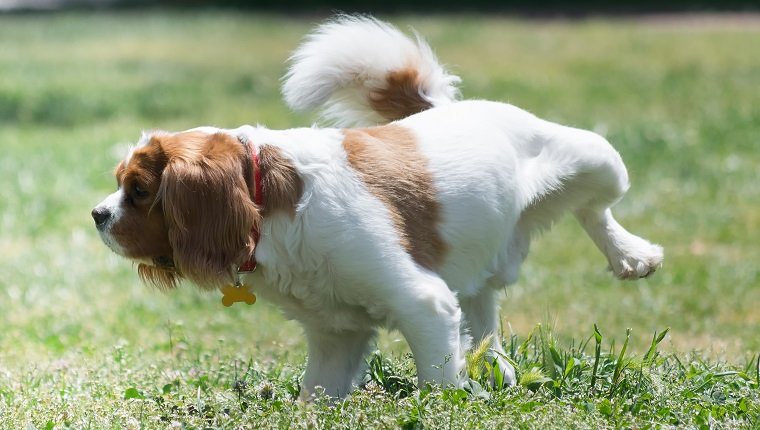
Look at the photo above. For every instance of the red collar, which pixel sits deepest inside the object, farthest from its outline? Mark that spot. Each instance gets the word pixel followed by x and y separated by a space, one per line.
pixel 258 198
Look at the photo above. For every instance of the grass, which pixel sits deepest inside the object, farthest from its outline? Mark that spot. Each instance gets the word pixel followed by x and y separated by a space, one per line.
pixel 84 345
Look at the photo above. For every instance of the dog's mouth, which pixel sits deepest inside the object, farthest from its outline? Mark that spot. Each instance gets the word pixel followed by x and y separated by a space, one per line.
pixel 164 262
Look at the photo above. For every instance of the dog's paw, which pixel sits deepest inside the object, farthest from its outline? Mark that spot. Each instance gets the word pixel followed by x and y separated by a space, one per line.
pixel 636 259
pixel 507 373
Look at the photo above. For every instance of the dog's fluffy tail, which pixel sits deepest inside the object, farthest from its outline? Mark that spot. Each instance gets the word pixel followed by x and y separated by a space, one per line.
pixel 363 72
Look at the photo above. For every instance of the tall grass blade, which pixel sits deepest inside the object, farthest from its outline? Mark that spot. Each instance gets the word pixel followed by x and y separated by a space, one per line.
pixel 523 348
pixel 597 354
pixel 619 364
pixel 652 352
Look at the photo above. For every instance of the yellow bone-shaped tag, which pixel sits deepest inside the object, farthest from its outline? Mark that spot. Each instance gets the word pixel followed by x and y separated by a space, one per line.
pixel 237 293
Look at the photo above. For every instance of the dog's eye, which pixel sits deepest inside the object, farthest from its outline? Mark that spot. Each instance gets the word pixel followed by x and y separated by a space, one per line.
pixel 139 192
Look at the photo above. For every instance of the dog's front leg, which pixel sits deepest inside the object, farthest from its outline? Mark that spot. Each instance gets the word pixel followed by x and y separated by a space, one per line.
pixel 334 359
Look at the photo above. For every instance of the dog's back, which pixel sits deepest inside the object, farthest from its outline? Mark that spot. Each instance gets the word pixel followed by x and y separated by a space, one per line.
pixel 363 72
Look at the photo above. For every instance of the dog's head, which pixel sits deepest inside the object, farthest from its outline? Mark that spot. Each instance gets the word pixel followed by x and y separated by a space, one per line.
pixel 183 207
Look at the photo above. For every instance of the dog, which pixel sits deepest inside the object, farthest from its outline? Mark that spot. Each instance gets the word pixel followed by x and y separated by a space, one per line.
pixel 411 216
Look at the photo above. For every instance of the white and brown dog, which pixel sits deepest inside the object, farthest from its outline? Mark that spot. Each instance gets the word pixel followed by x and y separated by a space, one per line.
pixel 414 222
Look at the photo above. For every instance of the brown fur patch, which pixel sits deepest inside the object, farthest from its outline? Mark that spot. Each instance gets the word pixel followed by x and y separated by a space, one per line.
pixel 160 277
pixel 198 212
pixel 280 182
pixel 390 164
pixel 207 205
pixel 141 231
pixel 401 97
pixel 192 210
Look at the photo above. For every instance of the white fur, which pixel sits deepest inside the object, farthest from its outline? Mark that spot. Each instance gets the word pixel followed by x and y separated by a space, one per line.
pixel 343 60
pixel 111 204
pixel 500 173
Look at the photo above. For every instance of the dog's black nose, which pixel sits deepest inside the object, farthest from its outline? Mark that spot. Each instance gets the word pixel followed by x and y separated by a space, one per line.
pixel 100 215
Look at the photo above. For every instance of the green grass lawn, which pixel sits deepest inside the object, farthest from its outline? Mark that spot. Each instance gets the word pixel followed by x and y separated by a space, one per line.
pixel 84 345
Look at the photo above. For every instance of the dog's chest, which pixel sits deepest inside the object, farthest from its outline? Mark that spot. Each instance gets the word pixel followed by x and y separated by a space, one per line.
pixel 316 299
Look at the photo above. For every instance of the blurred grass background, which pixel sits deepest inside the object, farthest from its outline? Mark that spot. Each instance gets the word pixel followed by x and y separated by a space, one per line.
pixel 680 100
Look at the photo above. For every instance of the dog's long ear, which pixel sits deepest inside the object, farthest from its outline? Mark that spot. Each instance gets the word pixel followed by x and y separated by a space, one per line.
pixel 209 216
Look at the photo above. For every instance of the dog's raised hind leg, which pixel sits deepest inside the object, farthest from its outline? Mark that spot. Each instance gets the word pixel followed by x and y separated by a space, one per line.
pixel 595 178
pixel 629 256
